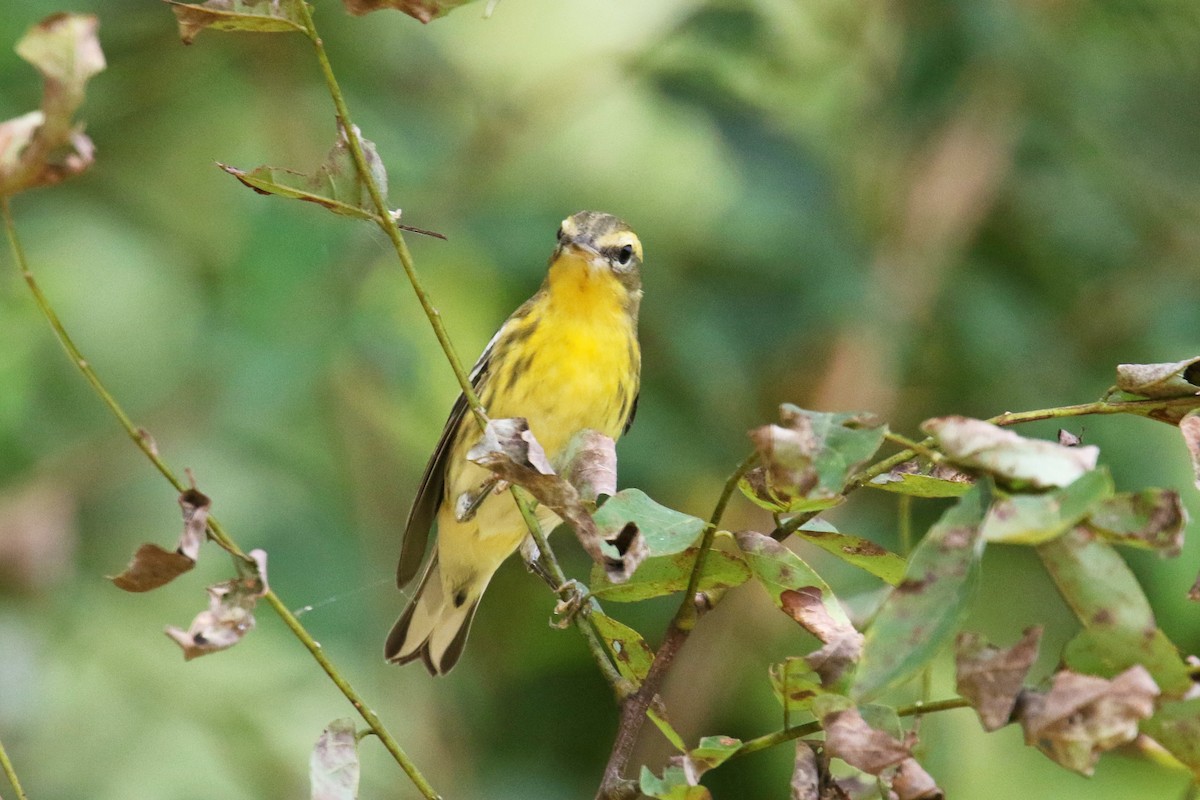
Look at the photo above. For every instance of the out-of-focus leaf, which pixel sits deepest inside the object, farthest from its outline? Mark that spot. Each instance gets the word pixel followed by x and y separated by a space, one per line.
pixel 992 678
pixel 673 785
pixel 806 774
pixel 1189 427
pixel 45 146
pixel 795 685
pixel 805 462
pixel 657 713
pixel 334 184
pixel 1153 519
pixel 912 782
pixel 1178 379
pixel 152 566
pixel 668 574
pixel 230 613
pixel 1011 458
pixel 1119 629
pixel 1037 518
pixel 712 752
pixel 939 480
pixel 1176 726
pixel 1082 716
pixel 333 768
pixel 252 16
pixel 862 553
pixel 424 10
pixel 589 463
pixel 849 737
pixel 629 650
pixel 508 448
pixel 922 613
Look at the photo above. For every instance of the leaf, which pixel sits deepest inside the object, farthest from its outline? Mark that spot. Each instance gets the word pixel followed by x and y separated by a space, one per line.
pixel 665 530
pixel 333 768
pixel 334 184
pixel 657 713
pixel 1189 427
pixel 152 566
pixel 45 147
pixel 629 650
pixel 673 785
pixel 806 774
pixel 806 462
pixel 938 480
pixel 230 613
pixel 668 574
pixel 856 551
pixel 509 449
pixel 712 752
pixel 1176 726
pixel 1009 457
pixel 1178 379
pixel 795 685
pixel 1153 519
pixel 1037 518
pixel 590 464
pixel 254 16
pixel 849 737
pixel 424 10
pixel 1083 716
pixel 912 782
pixel 992 678
pixel 921 614
pixel 1119 629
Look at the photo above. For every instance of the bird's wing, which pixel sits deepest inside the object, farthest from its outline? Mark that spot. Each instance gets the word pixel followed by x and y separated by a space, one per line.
pixel 429 493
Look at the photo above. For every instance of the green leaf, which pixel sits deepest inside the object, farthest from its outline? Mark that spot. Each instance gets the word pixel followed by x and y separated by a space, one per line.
pixel 861 553
pixel 712 752
pixel 658 715
pixel 333 767
pixel 629 650
pixel 806 462
pixel 1152 519
pixel 795 684
pixel 1014 459
pixel 1176 726
pixel 664 575
pixel 334 184
pixel 1189 428
pixel 922 613
pixel 424 10
pixel 665 530
pixel 1037 518
pixel 1119 627
pixel 780 570
pixel 673 785
pixel 1178 379
pixel 901 481
pixel 253 16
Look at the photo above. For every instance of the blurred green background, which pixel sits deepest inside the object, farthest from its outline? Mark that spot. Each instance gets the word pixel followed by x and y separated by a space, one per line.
pixel 914 209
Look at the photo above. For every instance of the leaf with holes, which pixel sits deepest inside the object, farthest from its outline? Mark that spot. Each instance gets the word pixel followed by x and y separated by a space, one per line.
pixel 668 574
pixel 629 650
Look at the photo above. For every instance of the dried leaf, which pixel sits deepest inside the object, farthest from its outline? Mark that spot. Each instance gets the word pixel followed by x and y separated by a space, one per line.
pixel 991 678
pixel 1012 458
pixel 334 184
pixel 1153 519
pixel 850 738
pixel 1189 426
pixel 333 768
pixel 1037 518
pixel 1068 439
pixel 45 146
pixel 152 566
pixel 629 650
pixel 937 480
pixel 424 10
pixel 230 613
pixel 1178 379
pixel 254 16
pixel 1082 716
pixel 590 465
pixel 922 613
pixel 912 782
pixel 806 777
pixel 806 462
pixel 859 552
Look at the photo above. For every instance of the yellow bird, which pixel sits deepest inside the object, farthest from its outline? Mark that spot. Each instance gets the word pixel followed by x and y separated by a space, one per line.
pixel 566 360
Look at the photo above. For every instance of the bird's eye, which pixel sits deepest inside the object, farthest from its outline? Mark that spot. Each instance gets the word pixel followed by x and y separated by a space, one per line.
pixel 624 254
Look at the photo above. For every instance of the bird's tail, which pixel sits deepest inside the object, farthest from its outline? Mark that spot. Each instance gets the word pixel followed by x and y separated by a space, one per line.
pixel 432 627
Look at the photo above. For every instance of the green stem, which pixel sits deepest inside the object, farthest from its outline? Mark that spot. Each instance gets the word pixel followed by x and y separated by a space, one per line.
pixel 779 737
pixel 11 773
pixel 216 530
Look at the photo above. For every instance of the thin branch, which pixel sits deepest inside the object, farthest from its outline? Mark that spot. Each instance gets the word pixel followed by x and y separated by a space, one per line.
pixel 215 528
pixel 11 773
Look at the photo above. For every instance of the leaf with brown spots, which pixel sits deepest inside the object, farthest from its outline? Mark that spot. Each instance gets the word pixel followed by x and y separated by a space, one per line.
pixel 152 566
pixel 1010 458
pixel 938 480
pixel 854 550
pixel 796 685
pixel 251 16
pixel 1152 519
pixel 629 650
pixel 1037 518
pixel 922 613
pixel 992 678
pixel 1083 716
pixel 230 612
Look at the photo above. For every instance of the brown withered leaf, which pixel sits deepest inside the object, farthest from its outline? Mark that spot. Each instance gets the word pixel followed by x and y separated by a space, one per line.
pixel 1008 456
pixel 806 776
pixel 230 612
pixel 46 146
pixel 1177 379
pixel 424 10
pixel 152 566
pixel 510 450
pixel 590 464
pixel 991 677
pixel 842 642
pixel 850 738
pixel 1083 716
pixel 1189 426
pixel 912 782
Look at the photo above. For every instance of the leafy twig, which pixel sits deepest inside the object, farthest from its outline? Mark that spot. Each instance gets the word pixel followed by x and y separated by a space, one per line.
pixel 217 532
pixel 11 773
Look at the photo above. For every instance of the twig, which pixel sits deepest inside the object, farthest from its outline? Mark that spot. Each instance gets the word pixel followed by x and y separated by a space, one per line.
pixel 11 773
pixel 215 528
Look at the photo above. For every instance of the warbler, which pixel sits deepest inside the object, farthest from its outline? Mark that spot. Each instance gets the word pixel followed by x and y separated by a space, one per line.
pixel 566 360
